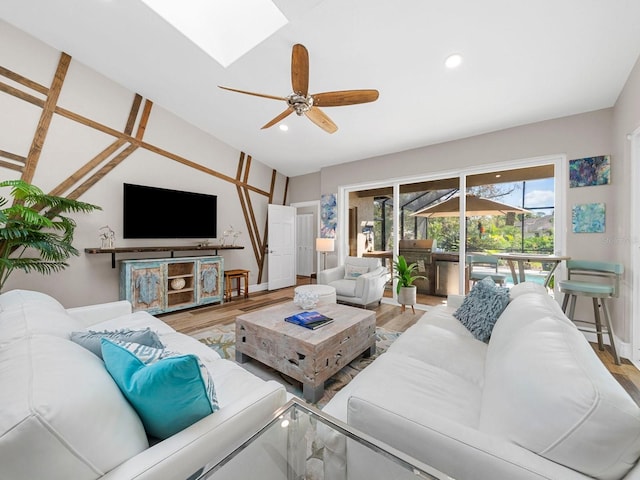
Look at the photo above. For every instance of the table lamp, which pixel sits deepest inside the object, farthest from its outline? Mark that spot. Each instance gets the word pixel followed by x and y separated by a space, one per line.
pixel 324 245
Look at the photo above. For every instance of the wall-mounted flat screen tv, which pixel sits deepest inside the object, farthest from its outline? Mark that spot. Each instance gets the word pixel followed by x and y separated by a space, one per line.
pixel 151 212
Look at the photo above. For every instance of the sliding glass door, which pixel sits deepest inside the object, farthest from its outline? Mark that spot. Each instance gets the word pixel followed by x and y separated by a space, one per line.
pixel 502 210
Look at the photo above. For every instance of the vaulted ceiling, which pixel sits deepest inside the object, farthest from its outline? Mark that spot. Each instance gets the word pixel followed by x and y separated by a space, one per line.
pixel 522 62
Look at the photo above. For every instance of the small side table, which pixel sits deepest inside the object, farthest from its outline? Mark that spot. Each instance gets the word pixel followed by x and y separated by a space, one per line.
pixel 238 275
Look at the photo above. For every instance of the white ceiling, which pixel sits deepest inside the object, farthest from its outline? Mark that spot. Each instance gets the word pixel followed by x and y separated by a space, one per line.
pixel 524 61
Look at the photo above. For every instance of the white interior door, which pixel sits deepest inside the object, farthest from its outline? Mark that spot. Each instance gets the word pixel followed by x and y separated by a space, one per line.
pixel 304 244
pixel 282 246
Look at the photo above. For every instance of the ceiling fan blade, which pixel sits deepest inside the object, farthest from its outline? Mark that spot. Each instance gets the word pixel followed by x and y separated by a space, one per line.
pixel 318 117
pixel 280 117
pixel 345 97
pixel 300 70
pixel 252 93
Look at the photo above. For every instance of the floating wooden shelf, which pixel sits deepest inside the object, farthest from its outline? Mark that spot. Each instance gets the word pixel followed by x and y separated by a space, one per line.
pixel 179 248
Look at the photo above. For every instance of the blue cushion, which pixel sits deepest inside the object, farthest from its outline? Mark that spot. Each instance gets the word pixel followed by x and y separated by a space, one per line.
pixel 91 340
pixel 168 391
pixel 482 307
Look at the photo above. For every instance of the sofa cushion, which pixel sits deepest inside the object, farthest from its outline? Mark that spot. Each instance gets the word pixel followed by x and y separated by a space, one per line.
pixel 413 388
pixel 351 272
pixel 482 307
pixel 17 298
pixel 169 391
pixel 549 393
pixel 521 312
pixel 434 345
pixel 60 405
pixel 344 288
pixel 91 339
pixel 136 321
pixel 526 287
pixel 25 312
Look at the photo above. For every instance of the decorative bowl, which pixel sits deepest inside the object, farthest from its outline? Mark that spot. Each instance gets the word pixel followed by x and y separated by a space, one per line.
pixel 306 300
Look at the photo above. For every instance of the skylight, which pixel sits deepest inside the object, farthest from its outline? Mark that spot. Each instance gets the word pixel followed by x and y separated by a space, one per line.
pixel 225 29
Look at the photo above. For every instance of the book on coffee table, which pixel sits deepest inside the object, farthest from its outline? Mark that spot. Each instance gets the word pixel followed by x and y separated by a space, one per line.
pixel 311 320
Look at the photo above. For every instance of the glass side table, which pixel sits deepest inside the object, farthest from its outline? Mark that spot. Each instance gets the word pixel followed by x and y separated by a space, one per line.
pixel 291 446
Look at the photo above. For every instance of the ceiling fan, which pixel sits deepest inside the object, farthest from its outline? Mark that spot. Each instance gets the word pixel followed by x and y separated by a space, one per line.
pixel 301 102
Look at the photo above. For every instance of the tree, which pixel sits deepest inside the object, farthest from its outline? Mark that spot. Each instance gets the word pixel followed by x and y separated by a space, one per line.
pixel 34 233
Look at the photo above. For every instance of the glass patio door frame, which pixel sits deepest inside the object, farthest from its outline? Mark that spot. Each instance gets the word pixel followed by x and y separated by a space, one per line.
pixel 559 162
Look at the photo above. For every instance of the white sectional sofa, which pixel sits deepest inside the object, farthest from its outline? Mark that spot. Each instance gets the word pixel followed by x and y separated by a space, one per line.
pixel 63 417
pixel 535 402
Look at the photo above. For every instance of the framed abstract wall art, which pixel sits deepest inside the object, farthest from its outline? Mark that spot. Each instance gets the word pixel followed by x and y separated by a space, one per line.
pixel 589 171
pixel 328 215
pixel 588 218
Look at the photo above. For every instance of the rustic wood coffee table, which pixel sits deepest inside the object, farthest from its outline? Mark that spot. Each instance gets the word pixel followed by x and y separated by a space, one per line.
pixel 309 356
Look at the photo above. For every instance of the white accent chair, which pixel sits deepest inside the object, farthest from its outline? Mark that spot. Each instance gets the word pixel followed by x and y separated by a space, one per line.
pixel 360 281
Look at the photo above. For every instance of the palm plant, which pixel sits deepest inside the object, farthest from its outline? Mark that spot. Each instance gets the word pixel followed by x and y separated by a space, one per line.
pixel 405 273
pixel 34 233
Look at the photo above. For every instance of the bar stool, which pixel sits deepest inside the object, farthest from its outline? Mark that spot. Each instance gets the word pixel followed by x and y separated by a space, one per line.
pixel 238 275
pixel 599 292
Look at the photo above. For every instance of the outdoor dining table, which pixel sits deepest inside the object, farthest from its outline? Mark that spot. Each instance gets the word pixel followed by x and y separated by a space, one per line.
pixel 520 259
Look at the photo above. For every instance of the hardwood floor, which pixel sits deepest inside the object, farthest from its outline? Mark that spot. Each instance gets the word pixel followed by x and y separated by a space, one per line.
pixel 387 316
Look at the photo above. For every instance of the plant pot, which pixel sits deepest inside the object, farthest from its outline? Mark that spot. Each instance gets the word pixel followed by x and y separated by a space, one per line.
pixel 407 295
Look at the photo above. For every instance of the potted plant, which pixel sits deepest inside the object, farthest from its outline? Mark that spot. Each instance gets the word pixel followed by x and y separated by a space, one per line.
pixel 34 233
pixel 405 273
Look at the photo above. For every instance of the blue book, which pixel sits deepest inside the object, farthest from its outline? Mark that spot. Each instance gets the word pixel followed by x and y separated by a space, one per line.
pixel 311 320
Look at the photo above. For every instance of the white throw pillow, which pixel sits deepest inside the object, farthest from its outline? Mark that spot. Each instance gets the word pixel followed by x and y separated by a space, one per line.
pixel 351 272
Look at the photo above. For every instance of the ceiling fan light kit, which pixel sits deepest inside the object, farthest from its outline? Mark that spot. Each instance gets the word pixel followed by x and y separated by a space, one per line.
pixel 302 103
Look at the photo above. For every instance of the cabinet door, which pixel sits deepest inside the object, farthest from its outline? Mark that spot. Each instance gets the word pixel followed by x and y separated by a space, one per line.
pixel 209 279
pixel 146 287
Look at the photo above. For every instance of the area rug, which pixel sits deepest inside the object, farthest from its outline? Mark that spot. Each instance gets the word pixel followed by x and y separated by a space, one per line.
pixel 222 339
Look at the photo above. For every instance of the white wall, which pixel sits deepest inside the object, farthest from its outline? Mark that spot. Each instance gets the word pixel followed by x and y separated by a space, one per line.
pixel 69 145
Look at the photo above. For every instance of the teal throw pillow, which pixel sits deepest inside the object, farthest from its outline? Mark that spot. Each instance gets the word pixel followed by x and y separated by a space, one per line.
pixel 91 340
pixel 169 391
pixel 482 307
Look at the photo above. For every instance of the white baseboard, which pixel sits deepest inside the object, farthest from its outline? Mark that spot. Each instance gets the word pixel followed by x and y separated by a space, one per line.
pixel 624 348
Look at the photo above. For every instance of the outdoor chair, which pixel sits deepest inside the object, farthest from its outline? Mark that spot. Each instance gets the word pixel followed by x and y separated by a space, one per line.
pixel 482 266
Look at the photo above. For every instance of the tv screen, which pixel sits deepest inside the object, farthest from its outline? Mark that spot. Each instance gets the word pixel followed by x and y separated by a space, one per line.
pixel 151 212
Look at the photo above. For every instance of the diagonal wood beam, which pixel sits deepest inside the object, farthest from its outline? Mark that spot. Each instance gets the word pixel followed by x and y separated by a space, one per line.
pixel 117 160
pixel 5 72
pixel 11 166
pixel 245 211
pixel 146 112
pixel 103 155
pixel 12 156
pixel 286 191
pixel 266 228
pixel 15 158
pixel 133 114
pixel 45 118
pixel 111 131
pixel 27 97
pixel 86 168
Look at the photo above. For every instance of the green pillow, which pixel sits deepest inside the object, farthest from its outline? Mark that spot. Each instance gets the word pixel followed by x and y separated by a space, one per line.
pixel 169 391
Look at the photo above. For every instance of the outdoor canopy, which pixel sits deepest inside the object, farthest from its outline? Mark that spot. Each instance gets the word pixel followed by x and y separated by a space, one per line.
pixel 475 206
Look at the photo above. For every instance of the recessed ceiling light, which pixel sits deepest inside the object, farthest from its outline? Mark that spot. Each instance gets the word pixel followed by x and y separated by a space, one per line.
pixel 498 175
pixel 453 61
pixel 283 127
